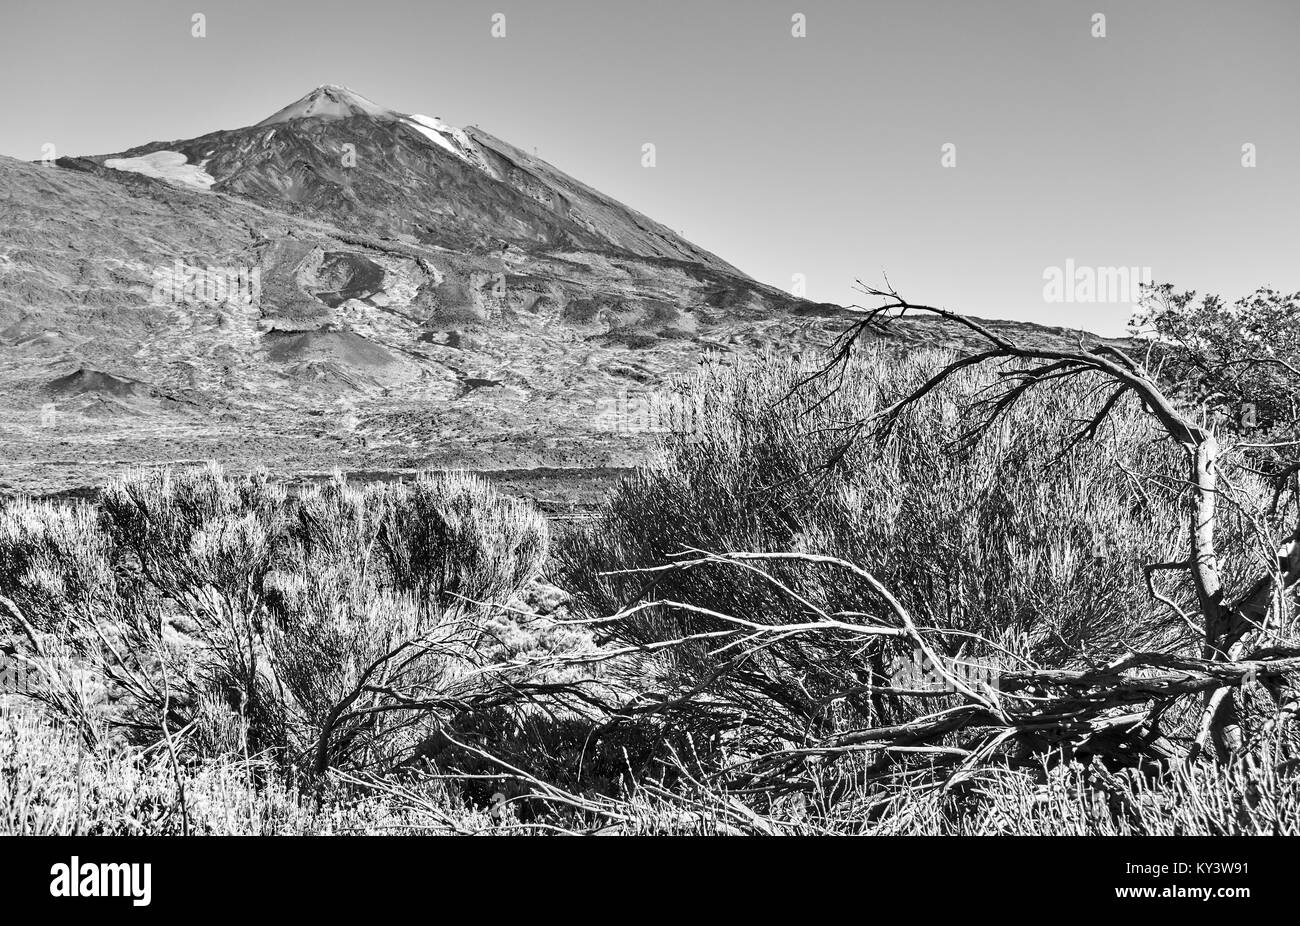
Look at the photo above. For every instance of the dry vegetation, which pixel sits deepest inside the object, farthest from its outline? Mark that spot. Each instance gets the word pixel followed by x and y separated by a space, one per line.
pixel 1019 591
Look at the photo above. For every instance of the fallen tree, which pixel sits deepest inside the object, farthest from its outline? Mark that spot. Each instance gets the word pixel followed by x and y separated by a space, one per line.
pixel 798 674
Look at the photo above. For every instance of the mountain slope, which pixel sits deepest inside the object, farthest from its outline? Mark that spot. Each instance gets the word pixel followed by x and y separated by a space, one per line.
pixel 335 154
pixel 596 212
pixel 301 315
pixel 440 357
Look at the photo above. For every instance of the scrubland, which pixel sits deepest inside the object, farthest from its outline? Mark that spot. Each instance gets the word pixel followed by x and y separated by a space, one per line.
pixel 790 620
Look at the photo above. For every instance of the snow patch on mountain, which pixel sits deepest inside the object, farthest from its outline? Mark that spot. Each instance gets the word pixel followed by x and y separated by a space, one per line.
pixel 452 139
pixel 430 129
pixel 170 166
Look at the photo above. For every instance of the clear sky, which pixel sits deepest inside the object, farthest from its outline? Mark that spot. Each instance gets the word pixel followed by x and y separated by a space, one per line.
pixel 818 156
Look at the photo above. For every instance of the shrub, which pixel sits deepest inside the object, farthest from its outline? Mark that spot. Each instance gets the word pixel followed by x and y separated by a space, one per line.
pixel 329 628
pixel 1236 360
pixel 1004 551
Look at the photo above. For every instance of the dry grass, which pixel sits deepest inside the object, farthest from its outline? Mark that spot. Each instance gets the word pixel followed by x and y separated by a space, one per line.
pixel 51 784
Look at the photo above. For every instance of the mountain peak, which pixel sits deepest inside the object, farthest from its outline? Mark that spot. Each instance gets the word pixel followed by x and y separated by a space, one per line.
pixel 329 101
pixel 423 177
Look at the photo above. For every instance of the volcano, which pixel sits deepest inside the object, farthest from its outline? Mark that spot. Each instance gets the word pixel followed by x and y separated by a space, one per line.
pixel 342 285
pixel 340 156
